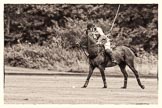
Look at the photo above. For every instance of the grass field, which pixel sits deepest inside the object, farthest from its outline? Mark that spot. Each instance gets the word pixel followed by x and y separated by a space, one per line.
pixel 25 89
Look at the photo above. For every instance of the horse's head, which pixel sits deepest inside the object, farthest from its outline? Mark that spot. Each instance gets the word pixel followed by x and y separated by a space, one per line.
pixel 89 44
pixel 87 41
pixel 82 42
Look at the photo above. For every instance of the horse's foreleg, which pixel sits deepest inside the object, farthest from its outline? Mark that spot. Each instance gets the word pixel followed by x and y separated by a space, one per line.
pixel 122 68
pixel 101 68
pixel 91 68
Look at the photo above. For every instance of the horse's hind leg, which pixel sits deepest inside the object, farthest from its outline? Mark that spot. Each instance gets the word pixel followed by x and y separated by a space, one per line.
pixel 122 68
pixel 91 68
pixel 101 68
pixel 131 66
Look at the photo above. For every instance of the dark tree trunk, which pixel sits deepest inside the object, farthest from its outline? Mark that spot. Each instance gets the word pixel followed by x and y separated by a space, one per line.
pixel 8 25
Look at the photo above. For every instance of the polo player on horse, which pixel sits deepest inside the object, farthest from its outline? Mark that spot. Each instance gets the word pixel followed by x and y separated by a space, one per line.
pixel 101 38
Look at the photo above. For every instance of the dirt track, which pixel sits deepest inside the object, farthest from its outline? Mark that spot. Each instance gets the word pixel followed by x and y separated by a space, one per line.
pixel 67 90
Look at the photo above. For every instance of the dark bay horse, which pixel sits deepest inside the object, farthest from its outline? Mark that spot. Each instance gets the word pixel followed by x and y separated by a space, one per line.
pixel 98 59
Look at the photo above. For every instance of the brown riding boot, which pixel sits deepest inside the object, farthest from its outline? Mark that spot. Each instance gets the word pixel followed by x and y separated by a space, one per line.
pixel 113 60
pixel 109 52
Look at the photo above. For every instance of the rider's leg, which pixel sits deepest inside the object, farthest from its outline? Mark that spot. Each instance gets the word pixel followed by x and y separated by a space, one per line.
pixel 109 52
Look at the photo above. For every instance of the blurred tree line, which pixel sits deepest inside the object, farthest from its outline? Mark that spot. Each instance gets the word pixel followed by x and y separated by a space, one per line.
pixel 62 24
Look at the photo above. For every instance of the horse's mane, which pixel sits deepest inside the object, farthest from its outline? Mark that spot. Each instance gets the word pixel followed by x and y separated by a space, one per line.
pixel 92 40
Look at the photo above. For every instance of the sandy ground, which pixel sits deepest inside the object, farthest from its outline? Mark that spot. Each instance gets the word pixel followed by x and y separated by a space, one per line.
pixel 28 89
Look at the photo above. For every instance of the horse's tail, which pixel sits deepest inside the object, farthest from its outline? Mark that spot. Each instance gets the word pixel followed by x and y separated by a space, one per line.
pixel 134 51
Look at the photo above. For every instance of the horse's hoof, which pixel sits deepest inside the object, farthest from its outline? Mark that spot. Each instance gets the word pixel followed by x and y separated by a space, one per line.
pixel 123 87
pixel 142 86
pixel 83 87
pixel 104 87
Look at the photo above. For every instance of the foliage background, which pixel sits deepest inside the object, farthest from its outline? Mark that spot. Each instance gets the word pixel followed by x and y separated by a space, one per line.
pixel 43 35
